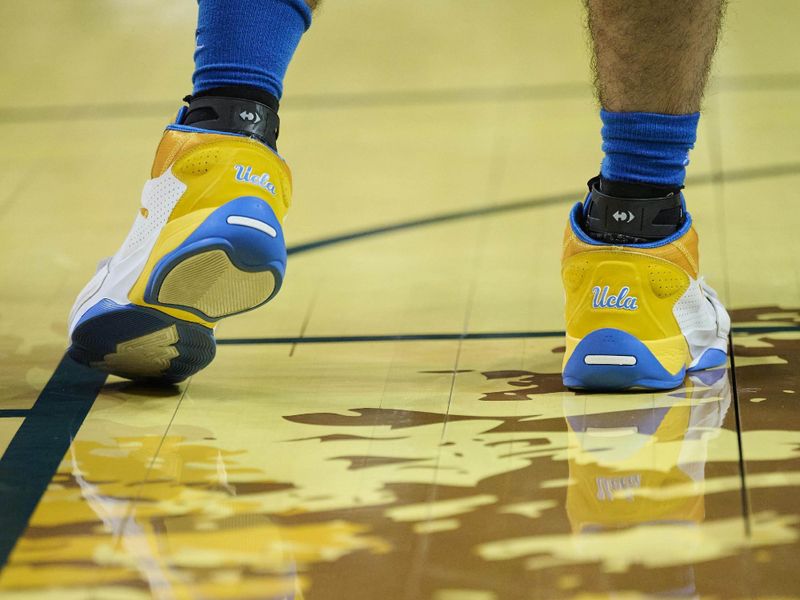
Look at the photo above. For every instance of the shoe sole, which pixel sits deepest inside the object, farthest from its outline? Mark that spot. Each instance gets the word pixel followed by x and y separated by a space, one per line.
pixel 141 343
pixel 209 283
pixel 611 360
pixel 233 262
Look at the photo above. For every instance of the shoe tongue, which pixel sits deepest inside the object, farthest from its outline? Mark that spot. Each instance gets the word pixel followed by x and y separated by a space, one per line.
pixel 234 115
pixel 616 220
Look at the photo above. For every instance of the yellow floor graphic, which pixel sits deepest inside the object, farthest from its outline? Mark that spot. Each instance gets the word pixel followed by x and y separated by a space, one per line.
pixel 393 425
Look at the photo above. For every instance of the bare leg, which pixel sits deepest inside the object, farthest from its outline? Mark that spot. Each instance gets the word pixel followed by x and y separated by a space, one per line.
pixel 653 55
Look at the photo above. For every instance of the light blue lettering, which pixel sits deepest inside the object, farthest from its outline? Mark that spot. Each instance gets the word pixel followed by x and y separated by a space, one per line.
pixel 601 298
pixel 245 173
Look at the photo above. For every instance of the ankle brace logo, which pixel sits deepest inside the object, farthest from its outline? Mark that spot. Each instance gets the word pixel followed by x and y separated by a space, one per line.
pixel 245 174
pixel 602 299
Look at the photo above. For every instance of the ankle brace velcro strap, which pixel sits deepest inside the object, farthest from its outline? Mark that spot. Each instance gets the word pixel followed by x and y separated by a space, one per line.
pixel 234 115
pixel 644 218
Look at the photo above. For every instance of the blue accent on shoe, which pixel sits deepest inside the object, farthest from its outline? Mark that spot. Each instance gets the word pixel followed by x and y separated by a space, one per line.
pixel 240 42
pixel 713 357
pixel 182 112
pixel 247 248
pixel 576 216
pixel 176 126
pixel 646 373
pixel 108 324
pixel 648 148
pixel 710 376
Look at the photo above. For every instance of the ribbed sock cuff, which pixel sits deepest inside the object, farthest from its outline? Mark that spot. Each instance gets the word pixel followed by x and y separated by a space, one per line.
pixel 647 148
pixel 247 42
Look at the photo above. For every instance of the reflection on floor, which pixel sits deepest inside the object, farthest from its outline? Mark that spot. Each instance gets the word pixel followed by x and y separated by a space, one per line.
pixel 394 425
pixel 505 486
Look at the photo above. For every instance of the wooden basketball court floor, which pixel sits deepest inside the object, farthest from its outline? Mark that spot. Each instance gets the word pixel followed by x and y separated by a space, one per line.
pixel 394 426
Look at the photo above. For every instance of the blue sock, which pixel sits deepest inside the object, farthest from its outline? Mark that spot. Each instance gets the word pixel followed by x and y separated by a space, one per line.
pixel 647 148
pixel 247 42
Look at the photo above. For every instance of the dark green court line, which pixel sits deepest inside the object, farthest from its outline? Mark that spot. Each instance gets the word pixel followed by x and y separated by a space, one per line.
pixel 415 337
pixel 35 452
pixel 400 98
pixel 489 210
pixel 738 175
pixel 13 412
pixel 399 337
pixel 744 496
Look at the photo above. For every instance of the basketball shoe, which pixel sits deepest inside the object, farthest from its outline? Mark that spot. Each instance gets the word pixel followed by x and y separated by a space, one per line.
pixel 638 315
pixel 207 243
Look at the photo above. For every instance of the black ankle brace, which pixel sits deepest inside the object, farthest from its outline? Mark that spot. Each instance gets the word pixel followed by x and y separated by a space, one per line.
pixel 628 189
pixel 234 115
pixel 617 220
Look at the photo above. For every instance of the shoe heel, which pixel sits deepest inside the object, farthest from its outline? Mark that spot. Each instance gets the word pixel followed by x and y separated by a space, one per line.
pixel 613 360
pixel 233 262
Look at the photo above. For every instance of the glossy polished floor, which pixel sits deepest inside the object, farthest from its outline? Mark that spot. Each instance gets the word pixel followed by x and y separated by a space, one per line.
pixel 394 426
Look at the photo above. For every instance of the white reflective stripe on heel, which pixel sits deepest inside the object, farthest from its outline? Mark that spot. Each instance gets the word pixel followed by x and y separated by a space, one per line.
pixel 252 224
pixel 609 359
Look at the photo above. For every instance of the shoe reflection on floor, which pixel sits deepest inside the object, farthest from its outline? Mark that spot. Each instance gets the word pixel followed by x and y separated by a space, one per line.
pixel 643 463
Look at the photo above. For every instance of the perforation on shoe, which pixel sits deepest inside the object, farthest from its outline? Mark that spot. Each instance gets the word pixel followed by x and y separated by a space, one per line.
pixel 573 274
pixel 159 198
pixel 197 162
pixel 693 310
pixel 664 281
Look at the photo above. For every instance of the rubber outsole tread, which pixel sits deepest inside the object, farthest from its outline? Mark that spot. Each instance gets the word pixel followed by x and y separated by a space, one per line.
pixel 142 344
pixel 211 284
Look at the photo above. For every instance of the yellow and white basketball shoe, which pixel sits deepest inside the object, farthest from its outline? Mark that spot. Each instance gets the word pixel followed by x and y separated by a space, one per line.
pixel 207 243
pixel 638 316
